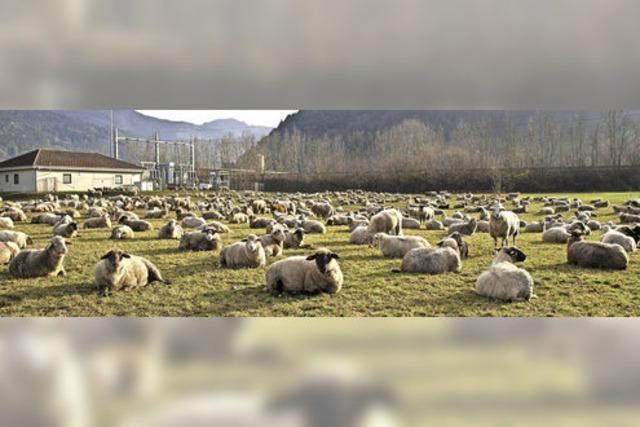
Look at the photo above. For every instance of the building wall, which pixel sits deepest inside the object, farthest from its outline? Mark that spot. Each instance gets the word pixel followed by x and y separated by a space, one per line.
pixel 26 181
pixel 82 180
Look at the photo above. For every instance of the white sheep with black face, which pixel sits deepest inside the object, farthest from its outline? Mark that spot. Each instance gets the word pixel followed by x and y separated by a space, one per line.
pixel 41 262
pixel 503 280
pixel 248 253
pixel 624 236
pixel 316 273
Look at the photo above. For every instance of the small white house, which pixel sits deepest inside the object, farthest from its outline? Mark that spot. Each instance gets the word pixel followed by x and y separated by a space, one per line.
pixel 47 171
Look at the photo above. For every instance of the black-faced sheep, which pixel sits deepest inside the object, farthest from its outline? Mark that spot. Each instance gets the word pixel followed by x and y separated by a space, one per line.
pixel 171 230
pixel 118 270
pixel 397 246
pixel 319 272
pixel 502 225
pixel 293 239
pixel 247 253
pixel 503 280
pixel 595 254
pixel 8 250
pixel 562 234
pixel 40 262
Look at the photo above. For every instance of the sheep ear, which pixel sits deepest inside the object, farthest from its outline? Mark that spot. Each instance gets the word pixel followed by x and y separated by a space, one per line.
pixel 334 256
pixel 68 242
pixel 125 255
pixel 243 240
pixel 311 257
pixel 107 255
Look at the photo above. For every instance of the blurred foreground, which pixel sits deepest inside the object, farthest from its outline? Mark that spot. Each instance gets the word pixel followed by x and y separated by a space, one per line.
pixel 318 372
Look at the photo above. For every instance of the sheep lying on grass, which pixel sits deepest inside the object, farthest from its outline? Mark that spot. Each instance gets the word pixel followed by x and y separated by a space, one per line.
pixel 503 280
pixel 434 224
pixel 18 237
pixel 359 236
pixel 313 226
pixel 430 261
pixel 624 236
pixel 293 239
pixel 397 246
pixel 357 222
pixel 192 222
pixel 206 240
pixel 122 232
pixel 6 223
pixel 8 250
pixel 247 253
pixel 457 243
pixel 316 273
pixel 97 222
pixel 465 228
pixel 273 243
pixel 118 270
pixel 66 230
pixel 171 230
pixel 561 234
pixel 40 262
pixel 136 225
pixel 595 254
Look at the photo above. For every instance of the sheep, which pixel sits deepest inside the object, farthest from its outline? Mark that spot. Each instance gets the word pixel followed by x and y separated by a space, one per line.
pixel 595 254
pixel 273 243
pixel 316 273
pixel 97 222
pixel 434 224
pixel 258 222
pixel 16 214
pixel 192 222
pixel 171 230
pixel 465 228
pixel 311 226
pixel 323 210
pixel 624 236
pixel 397 246
pixel 386 221
pixel 8 250
pixel 238 218
pixel 6 223
pixel 46 218
pixel 18 237
pixel 430 261
pixel 66 230
pixel 503 224
pixel 629 219
pixel 536 227
pixel 482 227
pixel 205 240
pixel 503 280
pixel 455 242
pixel 338 220
pixel 41 262
pixel 562 234
pixel 157 213
pixel 247 253
pixel 359 236
pixel 122 232
pixel 136 225
pixel 293 239
pixel 118 270
pixel 355 223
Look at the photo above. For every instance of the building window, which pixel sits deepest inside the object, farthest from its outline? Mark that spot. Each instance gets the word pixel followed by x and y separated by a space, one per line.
pixel 16 179
pixel 118 179
pixel 66 178
pixel 6 178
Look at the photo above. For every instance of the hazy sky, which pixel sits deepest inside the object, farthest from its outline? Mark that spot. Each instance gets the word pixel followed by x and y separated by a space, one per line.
pixel 252 117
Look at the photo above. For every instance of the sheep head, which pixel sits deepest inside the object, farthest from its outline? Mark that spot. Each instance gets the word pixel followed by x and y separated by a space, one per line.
pixel 57 245
pixel 323 257
pixel 515 254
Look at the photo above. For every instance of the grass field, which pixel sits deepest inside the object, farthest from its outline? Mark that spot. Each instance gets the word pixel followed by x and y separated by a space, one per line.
pixel 199 288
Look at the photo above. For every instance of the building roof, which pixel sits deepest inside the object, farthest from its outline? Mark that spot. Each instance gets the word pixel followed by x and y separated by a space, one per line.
pixel 66 159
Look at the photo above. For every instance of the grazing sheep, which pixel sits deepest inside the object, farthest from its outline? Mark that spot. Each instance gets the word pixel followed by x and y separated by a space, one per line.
pixel 8 250
pixel 192 222
pixel 562 234
pixel 122 232
pixel 503 280
pixel 595 254
pixel 503 224
pixel 312 226
pixel 18 237
pixel 319 272
pixel 430 261
pixel 359 236
pixel 465 228
pixel 66 230
pixel 386 221
pixel 293 239
pixel 171 230
pixel 455 242
pixel 206 240
pixel 397 246
pixel 434 224
pixel 273 243
pixel 97 222
pixel 118 270
pixel 624 236
pixel 40 262
pixel 6 223
pixel 247 253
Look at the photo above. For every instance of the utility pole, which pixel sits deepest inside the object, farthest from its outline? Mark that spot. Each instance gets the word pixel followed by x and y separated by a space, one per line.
pixel 116 151
pixel 157 150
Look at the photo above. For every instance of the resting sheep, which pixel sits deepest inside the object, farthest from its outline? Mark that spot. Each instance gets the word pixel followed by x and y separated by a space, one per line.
pixel 122 232
pixel 595 254
pixel 293 239
pixel 247 253
pixel 6 223
pixel 431 261
pixel 312 226
pixel 273 243
pixel 319 272
pixel 18 237
pixel 359 236
pixel 40 262
pixel 563 233
pixel 97 222
pixel 206 240
pixel 455 242
pixel 623 236
pixel 465 228
pixel 118 270
pixel 193 222
pixel 136 225
pixel 397 246
pixel 171 230
pixel 503 280
pixel 8 250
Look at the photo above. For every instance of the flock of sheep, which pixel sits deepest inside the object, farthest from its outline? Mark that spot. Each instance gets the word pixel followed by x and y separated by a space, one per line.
pixel 376 219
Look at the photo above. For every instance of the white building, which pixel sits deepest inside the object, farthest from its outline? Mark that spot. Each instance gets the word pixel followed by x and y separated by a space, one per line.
pixel 46 171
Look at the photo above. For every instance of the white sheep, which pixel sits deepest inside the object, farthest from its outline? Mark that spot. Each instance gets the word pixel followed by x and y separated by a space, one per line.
pixel 273 243
pixel 97 222
pixel 313 226
pixel 623 236
pixel 293 239
pixel 118 270
pixel 397 246
pixel 171 230
pixel 40 262
pixel 206 240
pixel 67 230
pixel 193 222
pixel 6 223
pixel 319 272
pixel 561 234
pixel 503 280
pixel 431 261
pixel 8 250
pixel 502 225
pixel 18 237
pixel 386 221
pixel 122 232
pixel 360 236
pixel 464 228
pixel 247 253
